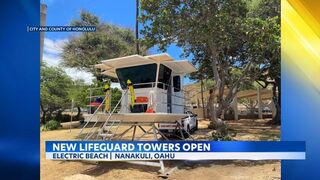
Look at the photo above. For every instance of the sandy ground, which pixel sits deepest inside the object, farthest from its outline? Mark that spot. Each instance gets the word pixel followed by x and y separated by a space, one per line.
pixel 238 170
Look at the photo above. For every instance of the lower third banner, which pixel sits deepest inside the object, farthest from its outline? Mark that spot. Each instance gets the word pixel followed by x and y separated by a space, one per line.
pixel 173 150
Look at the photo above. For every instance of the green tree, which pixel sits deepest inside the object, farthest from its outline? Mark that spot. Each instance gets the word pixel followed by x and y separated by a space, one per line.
pixel 54 86
pixel 264 9
pixel 264 23
pixel 223 38
pixel 115 97
pixel 87 49
pixel 78 92
pixel 214 32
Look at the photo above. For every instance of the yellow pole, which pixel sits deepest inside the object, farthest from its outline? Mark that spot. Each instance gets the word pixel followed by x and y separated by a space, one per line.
pixel 131 90
pixel 107 101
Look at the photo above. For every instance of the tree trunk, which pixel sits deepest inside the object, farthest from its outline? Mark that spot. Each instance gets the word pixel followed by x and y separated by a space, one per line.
pixel 79 113
pixel 44 113
pixel 218 124
pixel 49 115
pixel 59 116
pixel 277 101
pixel 43 118
pixel 202 100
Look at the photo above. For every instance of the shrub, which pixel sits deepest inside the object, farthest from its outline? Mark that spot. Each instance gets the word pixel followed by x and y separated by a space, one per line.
pixel 66 117
pixel 216 136
pixel 51 125
pixel 62 117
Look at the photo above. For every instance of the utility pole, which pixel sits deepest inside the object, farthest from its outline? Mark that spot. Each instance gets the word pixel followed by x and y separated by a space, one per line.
pixel 137 27
pixel 43 14
pixel 72 106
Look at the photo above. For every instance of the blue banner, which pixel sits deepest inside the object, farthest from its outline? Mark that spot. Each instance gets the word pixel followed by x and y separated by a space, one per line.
pixel 173 150
pixel 175 146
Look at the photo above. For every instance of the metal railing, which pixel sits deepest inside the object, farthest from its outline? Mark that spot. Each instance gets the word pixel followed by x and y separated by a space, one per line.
pixel 153 85
pixel 91 133
pixel 94 129
pixel 91 117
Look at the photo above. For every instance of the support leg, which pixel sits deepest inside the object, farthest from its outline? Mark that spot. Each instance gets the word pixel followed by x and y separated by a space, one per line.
pixel 147 132
pixel 162 135
pixel 162 169
pixel 142 129
pixel 134 132
pixel 125 132
pixel 155 137
pixel 180 130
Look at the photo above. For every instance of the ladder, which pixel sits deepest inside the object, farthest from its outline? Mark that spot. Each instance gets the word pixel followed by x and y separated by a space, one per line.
pixel 108 129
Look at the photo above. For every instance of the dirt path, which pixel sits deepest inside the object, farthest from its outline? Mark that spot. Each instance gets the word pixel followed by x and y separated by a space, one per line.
pixel 245 130
pixel 254 130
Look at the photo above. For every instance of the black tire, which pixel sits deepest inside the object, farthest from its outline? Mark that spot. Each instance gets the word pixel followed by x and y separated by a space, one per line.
pixel 188 130
pixel 196 128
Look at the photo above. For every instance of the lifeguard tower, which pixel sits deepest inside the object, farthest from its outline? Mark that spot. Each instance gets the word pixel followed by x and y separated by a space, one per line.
pixel 152 92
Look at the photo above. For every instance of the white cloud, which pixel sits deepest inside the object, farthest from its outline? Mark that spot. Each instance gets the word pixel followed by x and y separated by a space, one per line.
pixel 52 56
pixel 54 46
pixel 76 74
pixel 51 59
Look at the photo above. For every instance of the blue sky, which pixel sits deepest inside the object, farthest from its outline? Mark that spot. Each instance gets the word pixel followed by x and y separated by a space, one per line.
pixel 61 12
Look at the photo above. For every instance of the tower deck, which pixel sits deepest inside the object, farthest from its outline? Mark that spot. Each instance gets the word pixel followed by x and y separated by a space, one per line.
pixel 135 117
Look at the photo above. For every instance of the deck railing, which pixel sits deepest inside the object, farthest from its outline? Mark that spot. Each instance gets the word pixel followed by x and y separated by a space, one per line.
pixel 165 86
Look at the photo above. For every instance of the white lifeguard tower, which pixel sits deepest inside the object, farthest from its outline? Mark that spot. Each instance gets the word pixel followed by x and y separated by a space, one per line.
pixel 158 97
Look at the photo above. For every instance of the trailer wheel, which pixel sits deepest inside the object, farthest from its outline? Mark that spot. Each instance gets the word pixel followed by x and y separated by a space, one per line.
pixel 196 128
pixel 188 129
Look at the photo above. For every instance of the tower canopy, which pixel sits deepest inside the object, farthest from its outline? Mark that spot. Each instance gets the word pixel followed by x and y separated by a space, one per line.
pixel 109 66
